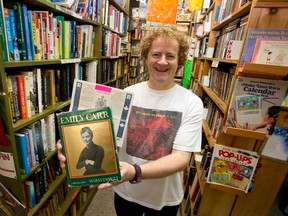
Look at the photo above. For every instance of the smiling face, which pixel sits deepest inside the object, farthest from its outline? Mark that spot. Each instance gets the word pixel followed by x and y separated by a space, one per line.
pixel 162 63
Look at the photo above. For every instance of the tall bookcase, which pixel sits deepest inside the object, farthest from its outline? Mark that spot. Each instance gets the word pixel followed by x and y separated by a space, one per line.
pixel 221 200
pixel 16 185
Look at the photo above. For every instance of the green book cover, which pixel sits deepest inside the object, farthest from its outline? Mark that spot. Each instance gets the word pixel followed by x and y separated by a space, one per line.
pixel 88 141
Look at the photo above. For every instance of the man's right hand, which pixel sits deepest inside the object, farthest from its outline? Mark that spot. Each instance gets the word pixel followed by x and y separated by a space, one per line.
pixel 61 157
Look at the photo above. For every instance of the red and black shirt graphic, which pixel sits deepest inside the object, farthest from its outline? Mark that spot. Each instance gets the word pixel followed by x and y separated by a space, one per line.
pixel 151 132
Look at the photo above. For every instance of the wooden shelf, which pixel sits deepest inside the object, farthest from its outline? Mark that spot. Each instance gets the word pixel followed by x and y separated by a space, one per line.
pixel 263 70
pixel 239 13
pixel 52 188
pixel 208 133
pixel 28 121
pixel 219 103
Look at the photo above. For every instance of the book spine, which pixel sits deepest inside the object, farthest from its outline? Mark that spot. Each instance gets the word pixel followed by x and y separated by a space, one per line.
pixel 2 34
pixel 21 97
pixel 9 35
pixel 31 33
pixel 23 155
pixel 31 193
pixel 11 101
pixel 20 30
pixel 39 141
pixel 27 95
pixel 26 29
pixel 16 53
pixel 15 97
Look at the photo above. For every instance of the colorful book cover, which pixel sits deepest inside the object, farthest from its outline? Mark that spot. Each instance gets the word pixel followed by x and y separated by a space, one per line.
pixel 253 99
pixel 232 167
pixel 255 33
pixel 8 32
pixel 9 205
pixel 272 52
pixel 89 145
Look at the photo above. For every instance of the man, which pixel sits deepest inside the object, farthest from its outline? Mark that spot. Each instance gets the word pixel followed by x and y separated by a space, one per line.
pixel 163 130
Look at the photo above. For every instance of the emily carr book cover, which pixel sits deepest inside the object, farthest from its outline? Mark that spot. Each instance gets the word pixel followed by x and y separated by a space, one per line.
pixel 88 141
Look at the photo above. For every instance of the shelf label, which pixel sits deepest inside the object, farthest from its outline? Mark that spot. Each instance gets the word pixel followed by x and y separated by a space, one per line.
pixel 68 61
pixel 215 63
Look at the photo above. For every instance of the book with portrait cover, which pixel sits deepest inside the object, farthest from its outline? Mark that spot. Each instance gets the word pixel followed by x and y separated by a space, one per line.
pixel 232 167
pixel 89 145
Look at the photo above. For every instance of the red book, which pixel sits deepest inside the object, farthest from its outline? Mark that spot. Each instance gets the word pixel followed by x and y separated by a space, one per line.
pixel 21 97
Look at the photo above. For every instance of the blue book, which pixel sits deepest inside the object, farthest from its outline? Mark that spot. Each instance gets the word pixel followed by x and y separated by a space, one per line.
pixel 2 33
pixel 31 143
pixel 22 151
pixel 8 35
pixel 31 193
pixel 31 34
pixel 26 28
pixel 16 6
pixel 14 34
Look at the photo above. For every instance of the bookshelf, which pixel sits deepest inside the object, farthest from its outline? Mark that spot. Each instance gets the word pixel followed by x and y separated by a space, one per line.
pixel 85 64
pixel 210 57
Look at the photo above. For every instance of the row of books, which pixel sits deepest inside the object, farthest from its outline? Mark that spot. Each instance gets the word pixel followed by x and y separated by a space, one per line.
pixel 220 82
pixel 34 141
pixel 37 185
pixel 234 31
pixel 226 8
pixel 214 118
pixel 111 69
pixel 39 35
pixel 113 18
pixel 32 91
pixel 111 43
pixel 90 9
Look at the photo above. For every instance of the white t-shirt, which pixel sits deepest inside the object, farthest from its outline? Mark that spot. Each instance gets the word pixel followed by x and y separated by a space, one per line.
pixel 159 122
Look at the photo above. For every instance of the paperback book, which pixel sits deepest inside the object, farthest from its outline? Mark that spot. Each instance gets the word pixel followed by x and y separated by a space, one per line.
pixel 256 33
pixel 232 167
pixel 88 141
pixel 252 100
pixel 272 52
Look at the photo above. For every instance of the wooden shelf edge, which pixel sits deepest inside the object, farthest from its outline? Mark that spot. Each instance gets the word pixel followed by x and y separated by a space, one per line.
pixel 219 103
pixel 227 189
pixel 263 70
pixel 208 133
pixel 245 133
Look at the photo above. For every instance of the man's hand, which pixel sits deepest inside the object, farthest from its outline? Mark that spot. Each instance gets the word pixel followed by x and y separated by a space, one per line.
pixel 61 157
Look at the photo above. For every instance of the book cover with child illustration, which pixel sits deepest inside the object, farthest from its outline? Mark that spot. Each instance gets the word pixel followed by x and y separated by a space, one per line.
pixel 255 103
pixel 232 167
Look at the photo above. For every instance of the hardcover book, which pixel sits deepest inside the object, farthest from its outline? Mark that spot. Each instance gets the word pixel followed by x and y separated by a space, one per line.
pixel 232 167
pixel 252 36
pixel 252 100
pixel 88 141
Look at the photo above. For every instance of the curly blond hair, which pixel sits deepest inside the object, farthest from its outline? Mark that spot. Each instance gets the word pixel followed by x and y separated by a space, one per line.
pixel 167 32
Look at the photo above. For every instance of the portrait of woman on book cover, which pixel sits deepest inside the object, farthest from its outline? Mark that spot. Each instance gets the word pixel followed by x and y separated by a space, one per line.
pixel 92 155
pixel 92 145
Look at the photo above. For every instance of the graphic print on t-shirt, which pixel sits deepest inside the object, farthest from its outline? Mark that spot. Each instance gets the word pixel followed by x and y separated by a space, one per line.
pixel 151 132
